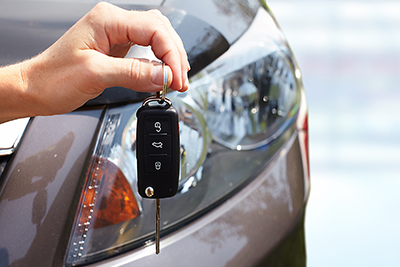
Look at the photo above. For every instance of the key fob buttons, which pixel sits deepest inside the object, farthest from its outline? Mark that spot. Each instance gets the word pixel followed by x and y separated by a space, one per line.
pixel 158 150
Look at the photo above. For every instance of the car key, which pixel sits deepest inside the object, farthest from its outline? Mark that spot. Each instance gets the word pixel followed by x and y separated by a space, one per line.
pixel 157 150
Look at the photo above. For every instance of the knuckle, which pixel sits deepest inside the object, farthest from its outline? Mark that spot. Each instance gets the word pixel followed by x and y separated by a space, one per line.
pixel 160 16
pixel 155 12
pixel 100 11
pixel 135 72
pixel 101 6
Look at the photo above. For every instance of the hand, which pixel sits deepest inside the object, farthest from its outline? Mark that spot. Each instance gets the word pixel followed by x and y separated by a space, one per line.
pixel 89 58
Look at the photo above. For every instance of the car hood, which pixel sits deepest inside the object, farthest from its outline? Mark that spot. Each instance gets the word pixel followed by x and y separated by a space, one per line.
pixel 207 29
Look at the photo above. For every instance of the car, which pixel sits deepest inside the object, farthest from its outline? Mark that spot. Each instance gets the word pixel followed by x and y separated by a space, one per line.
pixel 68 194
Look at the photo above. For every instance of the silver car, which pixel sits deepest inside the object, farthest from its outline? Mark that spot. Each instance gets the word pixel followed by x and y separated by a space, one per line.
pixel 68 192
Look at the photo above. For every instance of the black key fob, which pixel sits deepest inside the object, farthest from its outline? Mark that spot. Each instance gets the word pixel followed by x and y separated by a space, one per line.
pixel 157 148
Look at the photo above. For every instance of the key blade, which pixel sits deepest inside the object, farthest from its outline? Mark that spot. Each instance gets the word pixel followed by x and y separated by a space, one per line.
pixel 158 227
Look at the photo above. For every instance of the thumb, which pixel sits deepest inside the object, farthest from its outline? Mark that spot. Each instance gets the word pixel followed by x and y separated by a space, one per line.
pixel 141 75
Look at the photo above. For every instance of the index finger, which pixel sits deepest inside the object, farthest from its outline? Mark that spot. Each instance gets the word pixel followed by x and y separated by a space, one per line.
pixel 164 42
pixel 144 28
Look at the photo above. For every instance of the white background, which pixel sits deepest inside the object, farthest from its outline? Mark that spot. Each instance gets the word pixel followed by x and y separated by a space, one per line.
pixel 349 54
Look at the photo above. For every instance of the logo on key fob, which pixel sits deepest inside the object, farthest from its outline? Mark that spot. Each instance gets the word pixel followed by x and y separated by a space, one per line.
pixel 157 125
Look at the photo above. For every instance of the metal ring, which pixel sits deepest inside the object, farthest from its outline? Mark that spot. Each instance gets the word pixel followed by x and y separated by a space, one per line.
pixel 156 99
pixel 165 83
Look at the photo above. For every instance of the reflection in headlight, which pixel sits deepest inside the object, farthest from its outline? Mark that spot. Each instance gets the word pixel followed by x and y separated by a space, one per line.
pixel 245 108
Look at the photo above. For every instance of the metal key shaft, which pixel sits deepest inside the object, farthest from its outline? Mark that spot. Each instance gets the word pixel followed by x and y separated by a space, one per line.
pixel 158 227
pixel 150 193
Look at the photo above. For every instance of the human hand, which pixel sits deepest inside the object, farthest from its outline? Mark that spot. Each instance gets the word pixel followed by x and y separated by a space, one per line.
pixel 89 58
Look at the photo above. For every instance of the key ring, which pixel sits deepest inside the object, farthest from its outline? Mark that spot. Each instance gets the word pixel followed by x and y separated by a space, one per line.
pixel 157 99
pixel 165 85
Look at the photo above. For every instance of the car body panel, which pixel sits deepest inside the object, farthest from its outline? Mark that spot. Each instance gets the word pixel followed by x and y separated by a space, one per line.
pixel 39 185
pixel 240 231
pixel 230 17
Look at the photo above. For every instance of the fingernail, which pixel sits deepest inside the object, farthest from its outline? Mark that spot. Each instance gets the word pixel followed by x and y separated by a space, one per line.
pixel 157 74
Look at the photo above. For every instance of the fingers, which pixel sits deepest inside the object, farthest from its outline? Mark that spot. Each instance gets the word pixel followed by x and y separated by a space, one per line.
pixel 165 43
pixel 123 27
pixel 141 75
pixel 89 58
pixel 178 43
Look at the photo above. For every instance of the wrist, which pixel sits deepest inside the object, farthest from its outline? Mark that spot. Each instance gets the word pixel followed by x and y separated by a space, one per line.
pixel 14 100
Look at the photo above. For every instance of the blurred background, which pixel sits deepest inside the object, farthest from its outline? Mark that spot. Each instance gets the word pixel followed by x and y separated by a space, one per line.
pixel 349 54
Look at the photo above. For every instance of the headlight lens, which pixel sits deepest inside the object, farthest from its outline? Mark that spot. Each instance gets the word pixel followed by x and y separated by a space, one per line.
pixel 246 108
pixel 243 101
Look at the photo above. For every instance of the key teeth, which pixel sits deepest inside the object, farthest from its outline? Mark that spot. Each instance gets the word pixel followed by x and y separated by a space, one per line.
pixel 158 226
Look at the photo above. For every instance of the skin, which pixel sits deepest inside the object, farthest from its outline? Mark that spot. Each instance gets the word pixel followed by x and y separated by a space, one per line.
pixel 88 58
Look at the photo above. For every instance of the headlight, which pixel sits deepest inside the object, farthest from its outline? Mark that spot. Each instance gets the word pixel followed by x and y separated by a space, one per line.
pixel 246 108
pixel 246 102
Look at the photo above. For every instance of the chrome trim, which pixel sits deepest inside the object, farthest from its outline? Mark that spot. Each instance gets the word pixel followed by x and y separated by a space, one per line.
pixel 10 135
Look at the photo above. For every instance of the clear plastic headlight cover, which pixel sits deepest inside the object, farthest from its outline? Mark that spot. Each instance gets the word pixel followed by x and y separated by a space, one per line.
pixel 238 113
pixel 246 108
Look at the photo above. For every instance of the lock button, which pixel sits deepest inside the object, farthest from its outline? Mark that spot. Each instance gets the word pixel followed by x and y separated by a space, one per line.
pixel 157 125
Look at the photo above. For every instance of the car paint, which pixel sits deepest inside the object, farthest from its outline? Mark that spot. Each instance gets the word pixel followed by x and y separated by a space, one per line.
pixel 243 229
pixel 39 187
